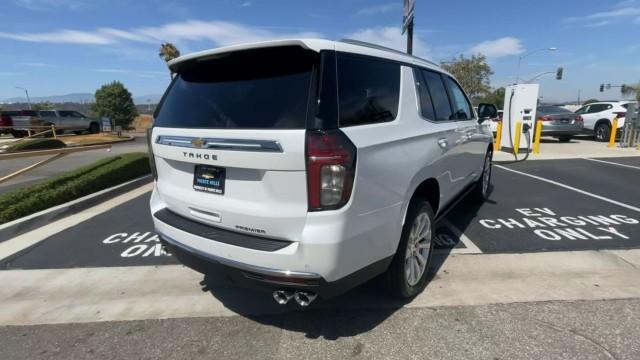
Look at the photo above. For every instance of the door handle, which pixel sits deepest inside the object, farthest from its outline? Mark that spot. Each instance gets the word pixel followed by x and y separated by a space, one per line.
pixel 443 143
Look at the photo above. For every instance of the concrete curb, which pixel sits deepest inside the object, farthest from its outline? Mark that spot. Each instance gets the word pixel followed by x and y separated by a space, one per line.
pixel 33 221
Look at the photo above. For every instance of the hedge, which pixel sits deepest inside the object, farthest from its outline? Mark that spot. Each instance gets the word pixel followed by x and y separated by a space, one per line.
pixel 74 184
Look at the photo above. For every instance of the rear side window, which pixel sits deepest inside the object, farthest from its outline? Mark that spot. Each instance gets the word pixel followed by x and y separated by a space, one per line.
pixel 48 113
pixel 461 107
pixel 439 95
pixel 426 104
pixel 368 90
pixel 255 89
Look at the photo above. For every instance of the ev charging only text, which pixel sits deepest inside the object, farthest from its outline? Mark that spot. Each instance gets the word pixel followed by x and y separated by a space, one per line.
pixel 137 244
pixel 548 225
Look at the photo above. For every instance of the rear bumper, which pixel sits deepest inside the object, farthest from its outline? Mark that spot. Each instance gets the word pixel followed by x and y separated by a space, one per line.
pixel 266 279
pixel 561 129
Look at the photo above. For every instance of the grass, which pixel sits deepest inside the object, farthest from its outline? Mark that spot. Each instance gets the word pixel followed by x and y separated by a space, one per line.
pixel 80 140
pixel 35 144
pixel 74 184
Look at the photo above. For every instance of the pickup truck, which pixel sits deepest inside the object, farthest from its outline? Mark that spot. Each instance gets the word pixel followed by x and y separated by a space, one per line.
pixel 16 122
pixel 63 120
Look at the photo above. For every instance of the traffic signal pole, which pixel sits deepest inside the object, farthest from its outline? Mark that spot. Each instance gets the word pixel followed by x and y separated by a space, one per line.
pixel 410 38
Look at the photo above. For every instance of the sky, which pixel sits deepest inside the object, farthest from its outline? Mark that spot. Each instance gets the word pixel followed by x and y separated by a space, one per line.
pixel 55 47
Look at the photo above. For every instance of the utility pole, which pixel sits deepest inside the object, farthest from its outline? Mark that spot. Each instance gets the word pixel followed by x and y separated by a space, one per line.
pixel 407 23
pixel 26 93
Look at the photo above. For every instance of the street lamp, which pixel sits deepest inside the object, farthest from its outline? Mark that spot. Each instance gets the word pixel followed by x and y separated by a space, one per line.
pixel 530 53
pixel 26 93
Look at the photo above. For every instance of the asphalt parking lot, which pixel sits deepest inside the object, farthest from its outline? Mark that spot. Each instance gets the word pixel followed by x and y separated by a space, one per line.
pixel 548 268
pixel 535 206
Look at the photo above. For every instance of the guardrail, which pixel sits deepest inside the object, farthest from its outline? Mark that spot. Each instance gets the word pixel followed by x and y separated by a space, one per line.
pixel 57 154
pixel 49 128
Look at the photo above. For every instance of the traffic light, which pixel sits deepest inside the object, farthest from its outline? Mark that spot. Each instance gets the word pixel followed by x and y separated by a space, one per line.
pixel 601 87
pixel 559 73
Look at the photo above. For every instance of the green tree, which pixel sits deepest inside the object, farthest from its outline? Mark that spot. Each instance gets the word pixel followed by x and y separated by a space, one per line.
pixel 631 90
pixel 43 106
pixel 113 100
pixel 590 101
pixel 473 73
pixel 168 52
pixel 495 97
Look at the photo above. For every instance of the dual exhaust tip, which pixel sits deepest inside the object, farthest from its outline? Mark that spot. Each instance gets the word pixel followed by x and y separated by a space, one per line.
pixel 303 298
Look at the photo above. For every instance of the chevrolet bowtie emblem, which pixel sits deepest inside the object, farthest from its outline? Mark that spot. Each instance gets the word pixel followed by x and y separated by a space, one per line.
pixel 197 143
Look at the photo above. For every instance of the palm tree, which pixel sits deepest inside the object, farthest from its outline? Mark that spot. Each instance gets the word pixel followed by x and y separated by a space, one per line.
pixel 168 52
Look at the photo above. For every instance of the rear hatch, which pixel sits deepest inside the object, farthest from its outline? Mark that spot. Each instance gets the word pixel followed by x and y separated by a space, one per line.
pixel 229 140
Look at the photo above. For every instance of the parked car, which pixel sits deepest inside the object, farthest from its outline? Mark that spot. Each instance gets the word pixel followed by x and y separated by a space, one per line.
pixel 69 120
pixel 15 122
pixel 300 167
pixel 598 117
pixel 559 122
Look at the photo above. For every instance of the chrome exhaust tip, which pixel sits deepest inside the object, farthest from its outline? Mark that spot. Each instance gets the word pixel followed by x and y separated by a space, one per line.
pixel 282 296
pixel 304 298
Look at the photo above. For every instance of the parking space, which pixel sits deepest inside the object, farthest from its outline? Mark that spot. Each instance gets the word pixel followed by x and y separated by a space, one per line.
pixel 535 206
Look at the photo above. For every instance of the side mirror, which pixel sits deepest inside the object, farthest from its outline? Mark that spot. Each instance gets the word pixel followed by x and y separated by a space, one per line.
pixel 486 112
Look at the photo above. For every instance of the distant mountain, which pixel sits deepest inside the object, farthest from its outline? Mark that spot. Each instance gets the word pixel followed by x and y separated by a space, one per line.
pixel 79 98
pixel 75 98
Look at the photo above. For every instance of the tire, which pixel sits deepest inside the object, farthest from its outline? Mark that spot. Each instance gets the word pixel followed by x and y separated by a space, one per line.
pixel 94 128
pixel 480 192
pixel 407 275
pixel 602 132
pixel 564 138
pixel 17 134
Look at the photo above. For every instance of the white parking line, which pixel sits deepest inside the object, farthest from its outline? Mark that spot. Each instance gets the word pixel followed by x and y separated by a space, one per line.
pixel 611 201
pixel 614 163
pixel 470 247
pixel 21 242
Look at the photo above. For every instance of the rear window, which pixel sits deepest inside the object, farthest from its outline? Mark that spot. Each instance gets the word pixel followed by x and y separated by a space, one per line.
pixel 552 110
pixel 255 89
pixel 368 90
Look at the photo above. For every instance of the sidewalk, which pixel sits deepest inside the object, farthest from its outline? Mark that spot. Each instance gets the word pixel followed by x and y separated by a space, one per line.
pixel 576 148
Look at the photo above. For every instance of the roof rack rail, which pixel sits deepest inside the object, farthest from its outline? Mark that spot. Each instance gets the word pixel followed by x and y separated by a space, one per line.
pixel 383 48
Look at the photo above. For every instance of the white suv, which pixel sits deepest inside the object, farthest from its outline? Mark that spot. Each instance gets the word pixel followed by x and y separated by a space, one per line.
pixel 307 167
pixel 598 117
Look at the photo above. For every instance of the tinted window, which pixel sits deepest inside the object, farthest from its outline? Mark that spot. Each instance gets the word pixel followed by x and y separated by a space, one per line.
pixel 368 90
pixel 461 107
pixel 552 110
pixel 583 110
pixel 29 113
pixel 65 113
pixel 48 113
pixel 260 89
pixel 438 95
pixel 597 108
pixel 10 113
pixel 426 104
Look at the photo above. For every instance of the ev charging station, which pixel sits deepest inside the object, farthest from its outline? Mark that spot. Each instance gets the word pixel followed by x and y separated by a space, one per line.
pixel 518 121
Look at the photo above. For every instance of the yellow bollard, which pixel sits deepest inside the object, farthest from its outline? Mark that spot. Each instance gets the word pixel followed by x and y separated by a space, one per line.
pixel 614 130
pixel 516 141
pixel 536 137
pixel 498 136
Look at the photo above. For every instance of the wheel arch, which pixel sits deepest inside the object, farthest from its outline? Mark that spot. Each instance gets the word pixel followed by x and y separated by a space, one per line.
pixel 428 189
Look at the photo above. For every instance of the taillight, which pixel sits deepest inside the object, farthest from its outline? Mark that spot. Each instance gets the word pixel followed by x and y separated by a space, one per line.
pixel 331 162
pixel 620 114
pixel 545 118
pixel 6 121
pixel 152 159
